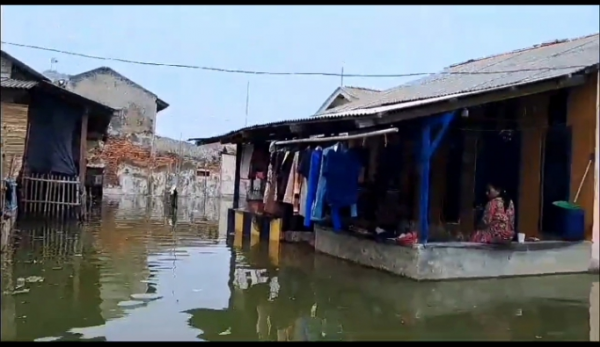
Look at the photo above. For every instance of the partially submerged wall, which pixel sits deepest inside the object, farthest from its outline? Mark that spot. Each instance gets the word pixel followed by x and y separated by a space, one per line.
pixel 131 169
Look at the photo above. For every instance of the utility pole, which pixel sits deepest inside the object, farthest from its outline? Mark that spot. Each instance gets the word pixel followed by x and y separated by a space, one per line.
pixel 247 103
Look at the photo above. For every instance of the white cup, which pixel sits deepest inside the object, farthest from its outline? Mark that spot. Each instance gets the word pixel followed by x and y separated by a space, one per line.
pixel 521 237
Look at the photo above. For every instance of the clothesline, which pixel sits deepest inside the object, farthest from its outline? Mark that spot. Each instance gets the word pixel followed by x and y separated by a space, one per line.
pixel 336 138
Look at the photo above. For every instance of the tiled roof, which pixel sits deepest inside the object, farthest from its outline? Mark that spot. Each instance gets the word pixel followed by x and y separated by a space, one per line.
pixel 537 63
pixel 17 84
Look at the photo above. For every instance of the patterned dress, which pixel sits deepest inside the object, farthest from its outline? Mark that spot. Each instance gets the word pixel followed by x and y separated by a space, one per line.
pixel 498 221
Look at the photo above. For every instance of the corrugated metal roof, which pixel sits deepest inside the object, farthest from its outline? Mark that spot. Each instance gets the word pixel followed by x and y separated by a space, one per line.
pixel 26 68
pixel 359 92
pixel 17 84
pixel 520 67
pixel 345 114
pixel 517 67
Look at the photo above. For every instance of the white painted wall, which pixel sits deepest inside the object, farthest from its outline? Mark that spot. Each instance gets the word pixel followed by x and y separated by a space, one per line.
pixel 227 174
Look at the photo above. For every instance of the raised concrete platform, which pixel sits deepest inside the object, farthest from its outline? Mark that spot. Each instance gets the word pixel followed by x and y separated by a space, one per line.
pixel 457 260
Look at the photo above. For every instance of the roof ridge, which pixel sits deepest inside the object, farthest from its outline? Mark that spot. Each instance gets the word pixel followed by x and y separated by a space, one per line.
pixel 159 101
pixel 519 50
pixel 363 88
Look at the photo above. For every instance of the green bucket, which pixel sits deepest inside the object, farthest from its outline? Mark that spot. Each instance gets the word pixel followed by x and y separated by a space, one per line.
pixel 566 205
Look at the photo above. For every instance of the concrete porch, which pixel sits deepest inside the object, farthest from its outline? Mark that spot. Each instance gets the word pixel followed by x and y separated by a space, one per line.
pixel 457 260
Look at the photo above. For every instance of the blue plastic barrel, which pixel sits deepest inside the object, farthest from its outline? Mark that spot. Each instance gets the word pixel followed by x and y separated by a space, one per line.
pixel 571 219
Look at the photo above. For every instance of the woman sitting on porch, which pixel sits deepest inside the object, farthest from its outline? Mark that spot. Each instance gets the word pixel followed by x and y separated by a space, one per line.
pixel 498 222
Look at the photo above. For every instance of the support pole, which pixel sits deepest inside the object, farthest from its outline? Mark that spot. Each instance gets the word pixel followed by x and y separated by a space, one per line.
pixel 428 148
pixel 83 162
pixel 237 177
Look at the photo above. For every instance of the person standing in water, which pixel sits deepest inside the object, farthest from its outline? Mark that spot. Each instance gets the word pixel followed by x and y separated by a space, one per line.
pixel 498 222
pixel 173 194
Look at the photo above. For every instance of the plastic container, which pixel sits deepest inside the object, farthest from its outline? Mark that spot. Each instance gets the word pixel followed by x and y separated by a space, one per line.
pixel 571 220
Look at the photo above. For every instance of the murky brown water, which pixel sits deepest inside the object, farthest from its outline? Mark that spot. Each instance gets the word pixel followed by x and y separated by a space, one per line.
pixel 131 276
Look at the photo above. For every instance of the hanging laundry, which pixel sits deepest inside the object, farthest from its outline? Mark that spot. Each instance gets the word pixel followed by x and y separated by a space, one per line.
pixel 292 191
pixel 246 160
pixel 269 200
pixel 283 173
pixel 318 207
pixel 312 186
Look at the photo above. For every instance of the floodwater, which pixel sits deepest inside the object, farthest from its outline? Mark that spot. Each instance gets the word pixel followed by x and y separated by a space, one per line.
pixel 132 276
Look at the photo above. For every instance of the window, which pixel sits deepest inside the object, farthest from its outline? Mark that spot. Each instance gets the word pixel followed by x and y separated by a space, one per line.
pixel 202 173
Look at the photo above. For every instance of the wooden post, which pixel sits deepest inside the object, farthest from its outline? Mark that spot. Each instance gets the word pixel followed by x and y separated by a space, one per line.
pixel 83 147
pixel 237 177
pixel 83 158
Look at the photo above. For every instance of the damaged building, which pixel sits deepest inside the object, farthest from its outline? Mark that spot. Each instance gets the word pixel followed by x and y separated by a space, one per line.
pixel 133 160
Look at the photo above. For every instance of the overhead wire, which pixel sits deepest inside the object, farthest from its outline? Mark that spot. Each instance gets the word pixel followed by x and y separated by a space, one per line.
pixel 278 73
pixel 327 74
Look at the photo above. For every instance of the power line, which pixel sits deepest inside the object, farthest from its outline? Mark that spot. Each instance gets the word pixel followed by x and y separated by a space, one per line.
pixel 274 73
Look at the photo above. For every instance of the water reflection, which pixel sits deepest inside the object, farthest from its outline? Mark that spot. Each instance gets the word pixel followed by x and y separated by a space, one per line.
pixel 135 274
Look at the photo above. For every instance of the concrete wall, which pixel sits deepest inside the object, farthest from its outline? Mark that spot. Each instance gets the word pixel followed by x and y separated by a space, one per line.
pixel 110 89
pixel 136 161
pixel 228 174
pixel 190 210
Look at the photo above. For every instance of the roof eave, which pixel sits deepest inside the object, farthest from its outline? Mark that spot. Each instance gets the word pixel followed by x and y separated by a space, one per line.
pixel 161 105
pixel 37 76
pixel 96 107
pixel 424 107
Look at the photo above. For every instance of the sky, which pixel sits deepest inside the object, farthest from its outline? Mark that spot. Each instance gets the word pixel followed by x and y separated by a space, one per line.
pixel 361 39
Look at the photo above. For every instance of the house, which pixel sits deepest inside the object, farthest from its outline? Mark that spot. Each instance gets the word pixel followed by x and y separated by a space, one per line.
pixel 45 129
pixel 525 118
pixel 134 160
pixel 16 80
pixel 111 88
